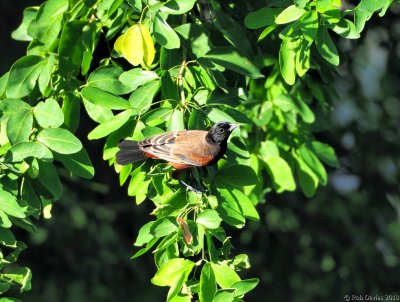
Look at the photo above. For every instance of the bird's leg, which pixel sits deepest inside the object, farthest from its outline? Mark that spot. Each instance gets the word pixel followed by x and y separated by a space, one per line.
pixel 193 189
pixel 197 188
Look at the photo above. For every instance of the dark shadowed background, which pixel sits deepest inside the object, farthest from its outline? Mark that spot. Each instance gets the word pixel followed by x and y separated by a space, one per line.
pixel 344 241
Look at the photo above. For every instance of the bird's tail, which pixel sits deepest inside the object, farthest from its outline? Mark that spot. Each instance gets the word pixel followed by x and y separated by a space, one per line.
pixel 129 152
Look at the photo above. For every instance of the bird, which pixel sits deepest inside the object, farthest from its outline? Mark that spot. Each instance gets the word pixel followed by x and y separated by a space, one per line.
pixel 182 150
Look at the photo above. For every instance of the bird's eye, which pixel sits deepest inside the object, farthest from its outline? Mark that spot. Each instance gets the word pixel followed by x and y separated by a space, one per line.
pixel 221 130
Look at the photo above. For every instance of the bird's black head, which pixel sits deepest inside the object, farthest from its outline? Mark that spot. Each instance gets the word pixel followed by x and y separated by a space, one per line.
pixel 220 132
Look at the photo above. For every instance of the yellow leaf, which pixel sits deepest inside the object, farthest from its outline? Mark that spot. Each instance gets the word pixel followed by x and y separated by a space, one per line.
pixel 118 45
pixel 132 48
pixel 148 47
pixel 136 46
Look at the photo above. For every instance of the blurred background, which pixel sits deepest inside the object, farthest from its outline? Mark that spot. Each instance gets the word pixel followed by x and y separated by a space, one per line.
pixel 344 241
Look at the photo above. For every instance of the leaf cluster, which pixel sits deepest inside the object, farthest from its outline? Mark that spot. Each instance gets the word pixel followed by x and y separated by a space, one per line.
pixel 171 66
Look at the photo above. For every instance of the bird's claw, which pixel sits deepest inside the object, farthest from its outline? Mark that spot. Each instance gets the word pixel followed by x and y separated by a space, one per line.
pixel 193 189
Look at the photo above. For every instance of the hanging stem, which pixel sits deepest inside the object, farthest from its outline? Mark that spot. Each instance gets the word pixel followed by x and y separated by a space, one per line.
pixel 180 83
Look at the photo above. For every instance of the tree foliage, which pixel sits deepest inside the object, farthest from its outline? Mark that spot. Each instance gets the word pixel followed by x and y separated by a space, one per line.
pixel 139 69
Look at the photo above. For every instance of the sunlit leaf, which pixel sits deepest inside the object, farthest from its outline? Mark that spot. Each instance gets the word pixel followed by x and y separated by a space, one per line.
pixel 325 46
pixel 136 45
pixel 289 14
pixel 164 33
pixel 10 206
pixel 60 140
pixel 23 76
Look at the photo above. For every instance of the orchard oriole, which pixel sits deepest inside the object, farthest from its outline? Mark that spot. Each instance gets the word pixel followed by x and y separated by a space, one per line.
pixel 181 149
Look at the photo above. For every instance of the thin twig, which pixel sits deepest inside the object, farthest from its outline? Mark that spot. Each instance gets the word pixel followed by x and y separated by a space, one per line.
pixel 180 83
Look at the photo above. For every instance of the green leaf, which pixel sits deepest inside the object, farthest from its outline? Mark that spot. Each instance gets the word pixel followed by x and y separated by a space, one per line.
pixel 19 126
pixel 164 34
pixel 313 162
pixel 23 150
pixel 157 116
pixel 229 210
pixel 78 163
pixel 281 173
pixel 145 249
pixel 304 110
pixel 97 113
pixel 346 29
pixel 307 179
pixel 266 32
pixel 142 98
pixel 233 32
pixel 5 222
pixel 364 11
pixel 176 286
pixel 209 219
pixel 287 62
pixel 104 99
pixel 109 78
pixel 324 6
pixel 47 24
pixel 176 121
pixel 289 14
pixel 110 125
pixel 3 83
pixel 11 106
pixel 164 226
pixel 237 152
pixel 197 38
pixel 224 275
pixel 284 102
pixel 71 47
pixel 49 178
pixel 21 33
pixel 196 120
pixel 135 4
pixel 90 35
pixel 326 47
pixel 137 77
pixel 247 208
pixel 261 18
pixel 23 76
pixel 46 73
pixel 171 271
pixel 326 153
pixel 244 286
pixel 236 176
pixel 49 114
pixel 177 7
pixel 6 236
pixel 106 8
pixel 301 3
pixel 230 58
pixel 216 115
pixel 138 186
pixel 169 87
pixel 10 206
pixel 111 146
pixel 71 109
pixel 208 286
pixel 309 25
pixel 20 275
pixel 59 140
pixel 303 56
pixel 145 234
pixel 225 295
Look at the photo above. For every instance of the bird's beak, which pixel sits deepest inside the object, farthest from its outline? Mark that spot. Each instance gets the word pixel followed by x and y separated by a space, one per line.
pixel 233 127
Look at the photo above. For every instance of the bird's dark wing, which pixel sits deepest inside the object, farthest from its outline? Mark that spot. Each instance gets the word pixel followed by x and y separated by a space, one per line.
pixel 177 147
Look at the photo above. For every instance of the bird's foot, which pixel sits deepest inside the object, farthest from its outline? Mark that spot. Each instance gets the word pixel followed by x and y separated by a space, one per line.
pixel 197 190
